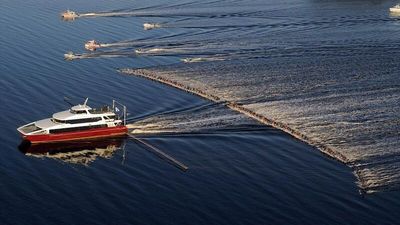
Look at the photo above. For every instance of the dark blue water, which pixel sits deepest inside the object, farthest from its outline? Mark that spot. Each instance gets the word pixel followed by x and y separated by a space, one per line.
pixel 240 171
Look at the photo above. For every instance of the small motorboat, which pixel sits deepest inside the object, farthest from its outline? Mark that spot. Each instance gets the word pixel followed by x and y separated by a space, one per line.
pixel 395 9
pixel 92 45
pixel 77 123
pixel 69 56
pixel 69 15
pixel 149 26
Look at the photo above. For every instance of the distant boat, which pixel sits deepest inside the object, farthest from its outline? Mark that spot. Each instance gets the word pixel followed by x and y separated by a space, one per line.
pixel 395 9
pixel 92 45
pixel 77 123
pixel 149 26
pixel 69 15
pixel 69 56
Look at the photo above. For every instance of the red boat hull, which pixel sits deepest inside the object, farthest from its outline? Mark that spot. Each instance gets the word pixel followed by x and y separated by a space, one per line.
pixel 77 135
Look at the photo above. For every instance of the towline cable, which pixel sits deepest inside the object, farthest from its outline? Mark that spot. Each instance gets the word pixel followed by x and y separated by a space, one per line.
pixel 161 154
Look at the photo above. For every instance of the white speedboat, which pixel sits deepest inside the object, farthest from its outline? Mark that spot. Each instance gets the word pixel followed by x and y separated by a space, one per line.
pixel 69 56
pixel 92 45
pixel 149 26
pixel 69 15
pixel 79 122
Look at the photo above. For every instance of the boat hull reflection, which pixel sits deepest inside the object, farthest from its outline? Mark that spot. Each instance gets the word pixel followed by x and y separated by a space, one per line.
pixel 76 152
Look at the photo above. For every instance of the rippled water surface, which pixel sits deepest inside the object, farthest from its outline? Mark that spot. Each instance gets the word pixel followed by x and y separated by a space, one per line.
pixel 324 71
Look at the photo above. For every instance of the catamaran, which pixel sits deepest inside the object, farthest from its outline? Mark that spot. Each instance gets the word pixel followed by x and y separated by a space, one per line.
pixel 79 122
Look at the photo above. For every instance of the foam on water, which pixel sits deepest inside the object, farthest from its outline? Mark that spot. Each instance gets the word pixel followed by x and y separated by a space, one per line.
pixel 162 51
pixel 105 54
pixel 207 119
pixel 347 111
pixel 202 59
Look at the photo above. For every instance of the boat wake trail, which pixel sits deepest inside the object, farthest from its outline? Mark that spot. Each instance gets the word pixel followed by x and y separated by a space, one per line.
pixel 195 10
pixel 211 118
pixel 204 59
pixel 194 54
pixel 107 14
pixel 106 54
pixel 163 51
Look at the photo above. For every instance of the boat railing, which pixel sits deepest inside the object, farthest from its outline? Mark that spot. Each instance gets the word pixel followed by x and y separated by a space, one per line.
pixel 120 112
pixel 101 110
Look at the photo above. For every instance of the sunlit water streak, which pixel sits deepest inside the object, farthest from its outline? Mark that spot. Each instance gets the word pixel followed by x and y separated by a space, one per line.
pixel 207 119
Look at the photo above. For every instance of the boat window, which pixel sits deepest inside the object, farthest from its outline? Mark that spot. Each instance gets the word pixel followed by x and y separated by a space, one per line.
pixel 78 111
pixel 57 121
pixel 86 120
pixel 110 117
pixel 103 109
pixel 75 129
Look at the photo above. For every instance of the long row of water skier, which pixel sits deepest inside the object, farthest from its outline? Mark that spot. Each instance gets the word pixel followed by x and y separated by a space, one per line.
pixel 309 132
pixel 180 77
pixel 237 107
